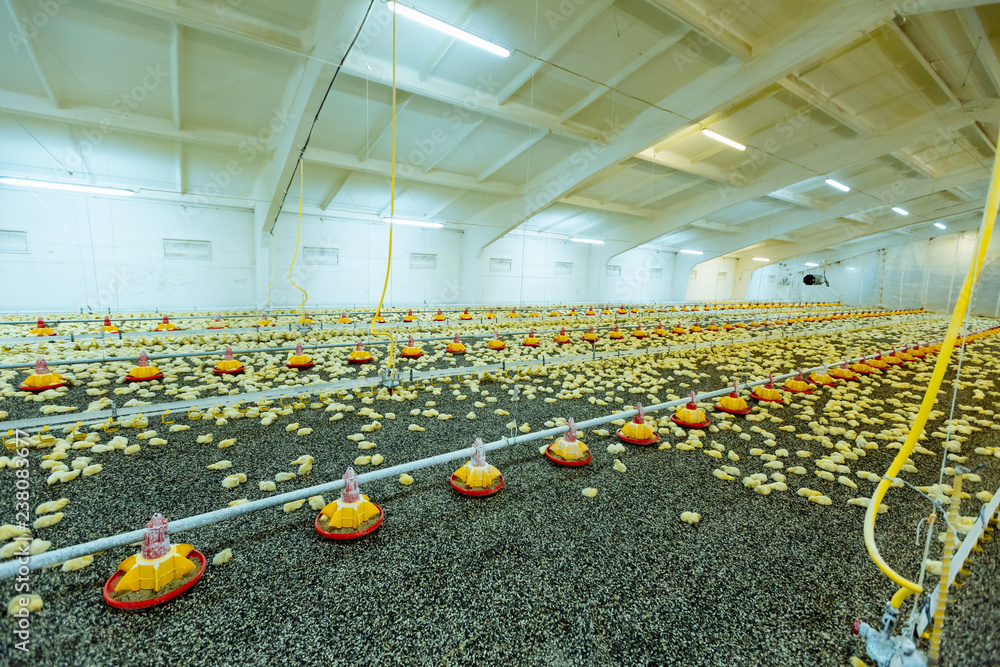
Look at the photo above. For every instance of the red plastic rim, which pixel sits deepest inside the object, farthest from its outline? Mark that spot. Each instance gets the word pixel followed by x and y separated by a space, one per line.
pixel 129 378
pixel 529 344
pixel 484 492
pixel 309 365
pixel 555 459
pixel 35 390
pixel 456 352
pixel 235 371
pixel 641 443
pixel 685 424
pixel 766 400
pixel 109 587
pixel 733 412
pixel 497 349
pixel 798 391
pixel 823 384
pixel 360 361
pixel 411 356
pixel 351 536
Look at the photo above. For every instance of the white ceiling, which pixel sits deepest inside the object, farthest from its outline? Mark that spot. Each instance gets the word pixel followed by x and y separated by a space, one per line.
pixel 590 128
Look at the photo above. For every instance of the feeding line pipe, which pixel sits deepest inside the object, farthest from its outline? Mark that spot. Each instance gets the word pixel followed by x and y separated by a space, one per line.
pixel 11 568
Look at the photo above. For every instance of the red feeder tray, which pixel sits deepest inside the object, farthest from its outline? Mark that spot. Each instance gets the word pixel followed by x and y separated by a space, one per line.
pixel 129 378
pixel 483 492
pixel 641 443
pixel 309 365
pixel 109 587
pixel 554 459
pixel 351 536
pixel 529 344
pixel 456 352
pixel 235 371
pixel 822 384
pixel 798 391
pixel 360 361
pixel 35 390
pixel 685 424
pixel 411 356
pixel 765 400
pixel 733 412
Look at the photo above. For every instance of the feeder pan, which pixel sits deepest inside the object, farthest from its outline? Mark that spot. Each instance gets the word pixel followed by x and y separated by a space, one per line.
pixel 378 319
pixel 737 400
pixel 590 336
pixel 478 460
pixel 41 329
pixel 359 356
pixel 530 341
pixel 108 327
pixel 344 319
pixel 767 398
pixel 565 462
pixel 351 536
pixel 892 359
pixel 798 385
pixel 299 359
pixel 590 312
pixel 264 321
pixel 143 363
pixel 229 366
pixel 641 442
pixel 43 374
pixel 693 409
pixel 109 586
pixel 639 333
pixel 861 368
pixel 454 481
pixel 455 346
pixel 491 315
pixel 712 327
pixel 465 315
pixel 165 325
pixel 616 334
pixel 217 323
pixel 568 439
pixel 659 330
pixel 410 317
pixel 814 378
pixel 496 343
pixel 439 317
pixel 411 351
pixel 561 338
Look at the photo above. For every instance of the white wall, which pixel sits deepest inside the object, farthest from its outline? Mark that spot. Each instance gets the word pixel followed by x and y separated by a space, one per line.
pixel 646 277
pixel 712 280
pixel 91 252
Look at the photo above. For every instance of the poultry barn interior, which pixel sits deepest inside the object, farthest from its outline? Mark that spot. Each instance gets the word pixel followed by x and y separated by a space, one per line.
pixel 451 332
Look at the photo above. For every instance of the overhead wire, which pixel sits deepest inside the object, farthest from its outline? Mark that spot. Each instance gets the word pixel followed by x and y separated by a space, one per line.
pixel 298 237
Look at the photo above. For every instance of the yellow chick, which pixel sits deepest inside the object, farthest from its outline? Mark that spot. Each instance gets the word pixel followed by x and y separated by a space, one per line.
pixel 619 466
pixel 405 479
pixel 44 508
pixel 34 603
pixel 690 518
pixel 589 492
pixel 223 557
pixel 220 465
pixel 284 476
pixel 292 506
pixel 316 503
pixel 266 485
pixel 132 449
pixel 92 469
pixel 77 563
pixel 227 443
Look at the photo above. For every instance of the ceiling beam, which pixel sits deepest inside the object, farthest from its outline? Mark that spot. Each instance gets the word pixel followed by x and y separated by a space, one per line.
pixel 29 46
pixel 585 202
pixel 445 204
pixel 634 66
pixel 973 25
pixel 794 198
pixel 458 136
pixel 714 28
pixel 301 102
pixel 981 131
pixel 566 34
pixel 663 194
pixel 443 50
pixel 385 128
pixel 384 168
pixel 922 60
pixel 678 163
pixel 818 100
pixel 217 18
pixel 336 185
pixel 511 155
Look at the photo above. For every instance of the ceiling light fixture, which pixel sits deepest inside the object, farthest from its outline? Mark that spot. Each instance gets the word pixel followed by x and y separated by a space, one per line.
pixel 811 264
pixel 901 211
pixel 726 140
pixel 448 29
pixel 939 225
pixel 838 185
pixel 761 259
pixel 67 187
pixel 415 223
pixel 692 252
pixel 594 241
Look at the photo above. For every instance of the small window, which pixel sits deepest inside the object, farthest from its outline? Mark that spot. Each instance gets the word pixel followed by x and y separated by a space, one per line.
pixel 499 265
pixel 722 276
pixel 419 260
pixel 13 241
pixel 321 255
pixel 655 273
pixel 613 271
pixel 184 249
pixel 564 268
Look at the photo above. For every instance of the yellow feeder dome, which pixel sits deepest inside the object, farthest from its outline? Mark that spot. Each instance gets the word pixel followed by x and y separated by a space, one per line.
pixel 637 431
pixel 766 392
pixel 822 377
pixel 798 384
pixel 590 336
pixel 359 355
pixel 572 312
pixel 455 346
pixel 477 477
pixel 568 450
pixel 690 415
pixel 350 516
pixel 740 325
pixel 165 325
pixel 410 317
pixel 728 326
pixel 561 338
pixel 534 313
pixel 159 572
pixel 108 327
pixel 465 316
pixel 843 372
pixel 696 328
pixel 305 318
pixel 616 334
pixel 893 359
pixel 491 315
pixel 439 317
pixel 712 327
pixel 228 365
pixel 590 311
pixel 513 313
pixel 530 341
pixel 378 318
pixel 861 368
pixel 217 323
pixel 143 372
pixel 265 320
pixel 638 333
pixel 554 313
pixel 679 330
pixel 496 343
pixel 344 319
pixel 411 351
pixel 622 310
pixel 299 359
pixel 659 330
pixel 606 311
pixel 733 403
pixel 878 362
pixel 41 379
pixel 41 330
pixel 903 354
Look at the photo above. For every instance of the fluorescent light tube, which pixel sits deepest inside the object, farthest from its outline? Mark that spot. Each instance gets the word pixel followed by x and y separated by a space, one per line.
pixel 901 211
pixel 939 225
pixel 692 252
pixel 68 187
pixel 839 186
pixel 415 223
pixel 811 264
pixel 594 241
pixel 447 29
pixel 726 140
pixel 761 259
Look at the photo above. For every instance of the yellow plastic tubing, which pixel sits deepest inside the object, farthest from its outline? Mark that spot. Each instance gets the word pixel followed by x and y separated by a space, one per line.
pixel 908 587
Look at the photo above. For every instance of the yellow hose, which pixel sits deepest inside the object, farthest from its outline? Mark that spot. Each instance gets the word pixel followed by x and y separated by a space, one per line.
pixel 298 235
pixel 930 397
pixel 392 210
pixel 946 556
